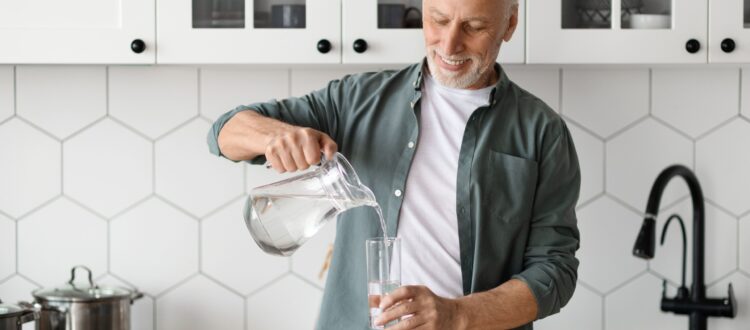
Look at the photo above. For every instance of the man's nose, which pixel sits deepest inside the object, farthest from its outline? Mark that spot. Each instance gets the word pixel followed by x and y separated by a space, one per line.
pixel 453 40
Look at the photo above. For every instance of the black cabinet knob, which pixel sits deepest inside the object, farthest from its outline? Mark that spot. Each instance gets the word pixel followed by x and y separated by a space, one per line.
pixel 693 46
pixel 360 46
pixel 324 46
pixel 728 45
pixel 138 46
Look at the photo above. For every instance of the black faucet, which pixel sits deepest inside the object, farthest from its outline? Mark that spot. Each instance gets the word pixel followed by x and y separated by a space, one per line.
pixel 695 304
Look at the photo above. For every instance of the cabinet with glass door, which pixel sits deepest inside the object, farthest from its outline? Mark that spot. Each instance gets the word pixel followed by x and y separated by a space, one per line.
pixel 249 31
pixel 729 31
pixel 617 31
pixel 390 31
pixel 77 32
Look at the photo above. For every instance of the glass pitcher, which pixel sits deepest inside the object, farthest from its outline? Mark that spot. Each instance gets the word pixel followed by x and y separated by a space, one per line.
pixel 282 216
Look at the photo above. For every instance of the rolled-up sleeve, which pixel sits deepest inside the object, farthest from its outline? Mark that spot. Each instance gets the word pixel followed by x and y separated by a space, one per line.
pixel 319 110
pixel 550 265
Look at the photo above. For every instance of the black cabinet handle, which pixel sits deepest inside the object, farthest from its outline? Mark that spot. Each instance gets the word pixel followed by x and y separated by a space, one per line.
pixel 138 46
pixel 728 45
pixel 360 46
pixel 324 46
pixel 693 46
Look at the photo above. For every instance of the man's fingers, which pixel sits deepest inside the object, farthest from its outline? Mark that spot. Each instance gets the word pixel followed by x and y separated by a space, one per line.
pixel 311 149
pixel 402 293
pixel 396 312
pixel 414 322
pixel 328 145
pixel 300 160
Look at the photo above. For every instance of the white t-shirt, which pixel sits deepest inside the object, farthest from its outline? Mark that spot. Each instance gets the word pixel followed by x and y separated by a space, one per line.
pixel 428 223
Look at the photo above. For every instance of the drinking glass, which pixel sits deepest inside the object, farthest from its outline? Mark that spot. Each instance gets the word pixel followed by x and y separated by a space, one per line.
pixel 383 272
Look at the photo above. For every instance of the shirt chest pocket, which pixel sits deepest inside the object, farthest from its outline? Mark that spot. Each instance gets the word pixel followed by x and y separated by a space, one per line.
pixel 507 185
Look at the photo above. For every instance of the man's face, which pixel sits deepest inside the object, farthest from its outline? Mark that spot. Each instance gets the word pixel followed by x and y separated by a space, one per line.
pixel 463 39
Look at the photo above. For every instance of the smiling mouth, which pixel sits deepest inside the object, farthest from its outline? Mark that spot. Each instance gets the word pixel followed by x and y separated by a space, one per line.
pixel 451 64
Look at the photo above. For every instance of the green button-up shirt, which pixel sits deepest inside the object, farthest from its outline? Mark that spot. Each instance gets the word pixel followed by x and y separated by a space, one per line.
pixel 517 185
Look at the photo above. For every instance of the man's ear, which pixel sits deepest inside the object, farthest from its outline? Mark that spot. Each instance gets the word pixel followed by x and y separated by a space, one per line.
pixel 512 24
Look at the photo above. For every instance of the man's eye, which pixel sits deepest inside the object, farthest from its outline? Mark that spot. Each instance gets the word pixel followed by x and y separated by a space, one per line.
pixel 440 21
pixel 472 28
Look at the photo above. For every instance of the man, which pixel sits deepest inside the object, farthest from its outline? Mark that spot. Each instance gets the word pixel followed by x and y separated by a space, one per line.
pixel 479 178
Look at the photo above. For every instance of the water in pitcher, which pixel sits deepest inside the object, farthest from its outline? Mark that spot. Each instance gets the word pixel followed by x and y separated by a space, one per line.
pixel 310 213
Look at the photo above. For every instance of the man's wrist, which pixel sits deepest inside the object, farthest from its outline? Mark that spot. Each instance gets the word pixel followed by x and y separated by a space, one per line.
pixel 462 314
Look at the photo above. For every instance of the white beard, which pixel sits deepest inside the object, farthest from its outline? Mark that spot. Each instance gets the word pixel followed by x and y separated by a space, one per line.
pixel 455 79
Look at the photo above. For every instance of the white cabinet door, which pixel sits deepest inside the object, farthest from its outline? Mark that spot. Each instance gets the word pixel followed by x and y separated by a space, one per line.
pixel 77 31
pixel 389 31
pixel 617 31
pixel 249 31
pixel 729 31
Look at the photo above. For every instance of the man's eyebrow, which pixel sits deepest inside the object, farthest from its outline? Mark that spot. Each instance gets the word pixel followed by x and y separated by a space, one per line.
pixel 480 19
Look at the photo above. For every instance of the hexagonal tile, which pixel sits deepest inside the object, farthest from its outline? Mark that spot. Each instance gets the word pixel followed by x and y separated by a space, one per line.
pixel 583 311
pixel 17 289
pixel 224 89
pixel 680 97
pixel 230 255
pixel 269 309
pixel 591 160
pixel 635 159
pixel 77 94
pixel 720 244
pixel 636 306
pixel 722 166
pixel 598 223
pixel 7 92
pixel 78 237
pixel 153 99
pixel 542 82
pixel 141 310
pixel 741 286
pixel 154 246
pixel 191 177
pixel 744 244
pixel 30 168
pixel 107 167
pixel 309 259
pixel 216 307
pixel 605 100
pixel 7 247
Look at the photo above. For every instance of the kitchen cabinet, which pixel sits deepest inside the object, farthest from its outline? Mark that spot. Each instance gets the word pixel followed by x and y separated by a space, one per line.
pixel 389 31
pixel 618 31
pixel 249 31
pixel 729 31
pixel 77 31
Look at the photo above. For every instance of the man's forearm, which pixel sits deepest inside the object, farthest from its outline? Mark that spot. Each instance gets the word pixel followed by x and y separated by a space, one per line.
pixel 247 134
pixel 507 306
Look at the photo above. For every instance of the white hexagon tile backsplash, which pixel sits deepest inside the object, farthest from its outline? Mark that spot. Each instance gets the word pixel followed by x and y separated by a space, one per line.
pixel 120 178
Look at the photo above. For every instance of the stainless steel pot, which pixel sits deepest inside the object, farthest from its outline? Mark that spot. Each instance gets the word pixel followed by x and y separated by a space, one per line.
pixel 12 317
pixel 92 307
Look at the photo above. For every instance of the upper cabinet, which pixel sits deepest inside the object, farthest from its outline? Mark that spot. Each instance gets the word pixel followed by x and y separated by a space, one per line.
pixel 390 31
pixel 77 31
pixel 249 31
pixel 620 31
pixel 729 31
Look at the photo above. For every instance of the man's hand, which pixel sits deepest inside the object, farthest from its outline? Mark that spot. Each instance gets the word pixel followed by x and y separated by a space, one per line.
pixel 296 148
pixel 429 312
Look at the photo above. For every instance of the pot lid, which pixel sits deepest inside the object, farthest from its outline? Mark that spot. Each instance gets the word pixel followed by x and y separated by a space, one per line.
pixel 77 292
pixel 9 310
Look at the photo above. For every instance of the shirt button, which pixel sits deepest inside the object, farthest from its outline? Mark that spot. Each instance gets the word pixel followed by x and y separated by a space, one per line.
pixel 397 193
pixel 410 145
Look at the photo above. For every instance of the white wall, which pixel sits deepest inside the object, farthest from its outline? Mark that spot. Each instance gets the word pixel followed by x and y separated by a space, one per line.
pixel 108 167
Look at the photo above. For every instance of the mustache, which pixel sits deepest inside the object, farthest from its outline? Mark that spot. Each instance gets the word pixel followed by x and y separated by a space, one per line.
pixel 452 57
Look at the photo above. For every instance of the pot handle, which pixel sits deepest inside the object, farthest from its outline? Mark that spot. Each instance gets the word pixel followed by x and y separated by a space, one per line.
pixel 31 313
pixel 135 296
pixel 73 275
